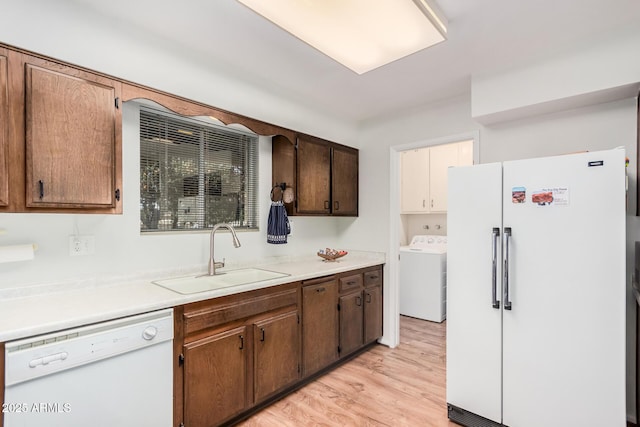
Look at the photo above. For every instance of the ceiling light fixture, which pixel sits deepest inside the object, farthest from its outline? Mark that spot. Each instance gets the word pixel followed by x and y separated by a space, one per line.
pixel 360 34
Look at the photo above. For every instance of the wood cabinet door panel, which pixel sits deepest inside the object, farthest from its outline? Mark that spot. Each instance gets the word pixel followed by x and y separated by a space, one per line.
pixel 350 283
pixel 351 322
pixel 276 354
pixel 4 131
pixel 373 277
pixel 70 140
pixel 314 177
pixel 372 313
pixel 319 326
pixel 344 184
pixel 215 373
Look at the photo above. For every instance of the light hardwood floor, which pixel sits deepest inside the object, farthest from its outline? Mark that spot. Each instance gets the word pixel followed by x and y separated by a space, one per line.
pixel 404 386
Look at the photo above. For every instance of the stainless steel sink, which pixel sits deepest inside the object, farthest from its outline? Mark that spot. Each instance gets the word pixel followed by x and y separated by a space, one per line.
pixel 193 284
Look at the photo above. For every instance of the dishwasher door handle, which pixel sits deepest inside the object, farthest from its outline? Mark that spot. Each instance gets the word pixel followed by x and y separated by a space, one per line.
pixel 48 359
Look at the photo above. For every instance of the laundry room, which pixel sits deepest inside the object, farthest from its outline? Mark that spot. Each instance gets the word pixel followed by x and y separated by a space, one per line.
pixel 423 225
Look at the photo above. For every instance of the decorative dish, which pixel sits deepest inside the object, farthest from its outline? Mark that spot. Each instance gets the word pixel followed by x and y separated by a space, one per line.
pixel 329 254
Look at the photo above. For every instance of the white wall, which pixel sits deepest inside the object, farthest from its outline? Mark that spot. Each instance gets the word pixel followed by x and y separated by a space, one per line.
pixel 372 230
pixel 423 224
pixel 595 127
pixel 603 72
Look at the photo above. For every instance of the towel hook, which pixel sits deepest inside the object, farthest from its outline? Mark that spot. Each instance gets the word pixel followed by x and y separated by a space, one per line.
pixel 278 194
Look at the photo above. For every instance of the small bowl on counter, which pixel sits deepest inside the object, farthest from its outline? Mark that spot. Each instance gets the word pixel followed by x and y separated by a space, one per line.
pixel 331 254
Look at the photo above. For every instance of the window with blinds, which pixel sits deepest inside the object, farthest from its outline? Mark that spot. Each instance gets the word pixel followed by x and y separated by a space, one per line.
pixel 194 174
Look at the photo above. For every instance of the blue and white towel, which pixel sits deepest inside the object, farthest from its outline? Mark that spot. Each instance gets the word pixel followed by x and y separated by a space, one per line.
pixel 278 227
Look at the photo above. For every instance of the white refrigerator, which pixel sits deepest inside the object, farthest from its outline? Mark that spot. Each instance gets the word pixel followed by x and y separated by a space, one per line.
pixel 536 292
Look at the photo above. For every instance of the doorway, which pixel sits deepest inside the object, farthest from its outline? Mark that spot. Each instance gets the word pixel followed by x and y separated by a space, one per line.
pixel 401 227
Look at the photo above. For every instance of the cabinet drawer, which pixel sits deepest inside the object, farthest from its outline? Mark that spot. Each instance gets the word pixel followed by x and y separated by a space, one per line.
pixel 220 313
pixel 373 277
pixel 348 283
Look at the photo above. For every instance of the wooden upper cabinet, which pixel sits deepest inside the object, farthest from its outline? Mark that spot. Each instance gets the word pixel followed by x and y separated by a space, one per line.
pixel 344 183
pixel 314 176
pixel 73 138
pixel 4 131
pixel 324 175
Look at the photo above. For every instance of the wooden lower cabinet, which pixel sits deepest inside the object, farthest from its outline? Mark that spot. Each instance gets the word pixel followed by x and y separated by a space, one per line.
pixel 276 354
pixel 372 281
pixel 372 313
pixel 319 324
pixel 214 367
pixel 237 353
pixel 360 306
pixel 351 322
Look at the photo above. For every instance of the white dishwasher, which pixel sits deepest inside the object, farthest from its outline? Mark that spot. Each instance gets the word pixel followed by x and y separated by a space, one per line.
pixel 115 373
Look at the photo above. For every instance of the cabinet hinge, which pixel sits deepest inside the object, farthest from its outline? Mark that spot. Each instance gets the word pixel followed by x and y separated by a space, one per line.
pixel 181 360
pixel 117 102
pixel 117 194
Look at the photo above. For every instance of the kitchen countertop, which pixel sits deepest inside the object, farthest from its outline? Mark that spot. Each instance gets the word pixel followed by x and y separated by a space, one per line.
pixel 29 312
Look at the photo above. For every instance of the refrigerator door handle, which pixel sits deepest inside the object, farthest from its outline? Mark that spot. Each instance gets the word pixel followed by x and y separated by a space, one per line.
pixel 506 237
pixel 495 235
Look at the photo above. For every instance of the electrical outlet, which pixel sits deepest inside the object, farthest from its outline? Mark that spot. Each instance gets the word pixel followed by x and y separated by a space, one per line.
pixel 81 245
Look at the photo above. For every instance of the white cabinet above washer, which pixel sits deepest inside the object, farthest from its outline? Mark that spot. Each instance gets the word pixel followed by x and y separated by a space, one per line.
pixel 423 183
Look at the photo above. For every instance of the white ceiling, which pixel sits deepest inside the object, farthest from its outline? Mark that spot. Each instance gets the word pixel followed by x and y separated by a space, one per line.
pixel 484 36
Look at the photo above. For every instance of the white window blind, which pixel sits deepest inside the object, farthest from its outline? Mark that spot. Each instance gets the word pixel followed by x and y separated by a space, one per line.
pixel 194 174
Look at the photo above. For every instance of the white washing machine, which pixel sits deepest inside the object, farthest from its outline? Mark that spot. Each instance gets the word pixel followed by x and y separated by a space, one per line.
pixel 423 278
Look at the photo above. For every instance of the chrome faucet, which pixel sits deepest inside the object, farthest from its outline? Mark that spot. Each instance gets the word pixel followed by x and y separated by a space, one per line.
pixel 212 263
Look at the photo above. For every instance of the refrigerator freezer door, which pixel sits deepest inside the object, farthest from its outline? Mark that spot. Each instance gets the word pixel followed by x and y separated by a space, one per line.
pixel 564 337
pixel 473 323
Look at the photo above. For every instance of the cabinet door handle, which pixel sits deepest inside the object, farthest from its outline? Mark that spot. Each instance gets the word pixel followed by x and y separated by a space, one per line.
pixel 424 203
pixel 358 301
pixel 241 342
pixel 336 205
pixel 326 204
pixel 351 282
pixel 262 332
pixel 41 189
pixel 320 290
pixel 368 297
pixel 431 202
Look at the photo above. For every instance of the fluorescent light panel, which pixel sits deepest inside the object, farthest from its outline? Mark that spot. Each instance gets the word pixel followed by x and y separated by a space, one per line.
pixel 360 34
